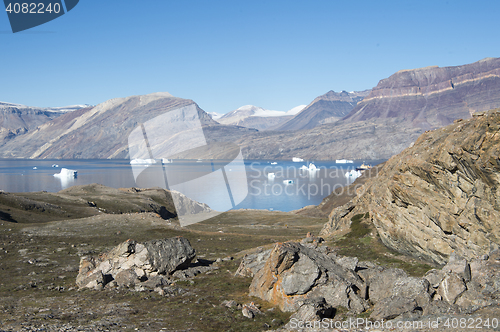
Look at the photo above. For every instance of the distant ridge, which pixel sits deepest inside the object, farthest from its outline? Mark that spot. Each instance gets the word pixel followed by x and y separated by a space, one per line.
pixel 432 97
pixel 327 108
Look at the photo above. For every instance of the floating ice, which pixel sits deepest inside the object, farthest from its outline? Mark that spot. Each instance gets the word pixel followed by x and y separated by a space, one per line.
pixel 66 173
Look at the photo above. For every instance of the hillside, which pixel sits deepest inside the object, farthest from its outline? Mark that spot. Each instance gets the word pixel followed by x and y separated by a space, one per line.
pixel 432 97
pixel 95 132
pixel 327 108
pixel 439 196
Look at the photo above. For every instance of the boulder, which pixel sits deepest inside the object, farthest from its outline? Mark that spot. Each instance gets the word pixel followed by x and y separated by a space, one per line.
pixel 451 287
pixel 434 277
pixel 414 288
pixel 131 262
pixel 380 284
pixel 252 263
pixel 393 306
pixel 312 310
pixel 458 265
pixel 294 273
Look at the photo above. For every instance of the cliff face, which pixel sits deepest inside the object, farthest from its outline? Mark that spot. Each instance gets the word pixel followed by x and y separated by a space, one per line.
pixel 433 97
pixel 438 196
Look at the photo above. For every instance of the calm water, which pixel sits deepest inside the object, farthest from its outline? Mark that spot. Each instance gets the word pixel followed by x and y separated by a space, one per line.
pixel 264 192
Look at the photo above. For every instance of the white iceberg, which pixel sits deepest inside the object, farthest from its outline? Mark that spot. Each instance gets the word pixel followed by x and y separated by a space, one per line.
pixel 66 173
pixel 271 176
pixel 288 181
pixel 139 161
pixel 344 161
pixel 297 159
pixel 352 174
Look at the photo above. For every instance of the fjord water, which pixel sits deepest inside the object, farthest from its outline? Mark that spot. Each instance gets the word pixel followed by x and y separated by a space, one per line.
pixel 264 191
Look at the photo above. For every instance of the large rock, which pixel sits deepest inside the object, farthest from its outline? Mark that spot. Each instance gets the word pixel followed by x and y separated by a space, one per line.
pixel 393 306
pixel 294 273
pixel 252 263
pixel 131 262
pixel 380 285
pixel 451 287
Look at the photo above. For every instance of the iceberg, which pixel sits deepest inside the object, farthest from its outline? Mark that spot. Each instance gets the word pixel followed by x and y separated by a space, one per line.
pixel 353 174
pixel 344 161
pixel 271 176
pixel 297 159
pixel 66 173
pixel 288 181
pixel 311 167
pixel 274 163
pixel 142 161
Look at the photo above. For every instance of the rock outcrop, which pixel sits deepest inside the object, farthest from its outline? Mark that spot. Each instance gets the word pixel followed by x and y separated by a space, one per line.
pixel 311 280
pixel 132 263
pixel 438 196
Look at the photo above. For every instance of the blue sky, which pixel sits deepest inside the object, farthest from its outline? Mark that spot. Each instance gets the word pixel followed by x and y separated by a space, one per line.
pixel 225 54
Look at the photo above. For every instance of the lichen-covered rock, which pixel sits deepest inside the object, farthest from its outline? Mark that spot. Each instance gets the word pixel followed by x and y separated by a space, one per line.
pixel 294 273
pixel 252 263
pixel 131 262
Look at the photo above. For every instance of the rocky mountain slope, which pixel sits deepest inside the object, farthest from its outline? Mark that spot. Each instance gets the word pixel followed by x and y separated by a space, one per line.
pixel 327 108
pixel 439 196
pixel 257 117
pixel 16 119
pixel 432 97
pixel 95 132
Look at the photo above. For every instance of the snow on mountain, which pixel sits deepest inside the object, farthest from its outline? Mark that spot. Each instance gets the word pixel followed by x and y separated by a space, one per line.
pixel 215 115
pixel 296 110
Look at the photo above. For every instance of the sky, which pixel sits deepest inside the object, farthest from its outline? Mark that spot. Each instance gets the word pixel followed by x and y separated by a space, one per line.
pixel 226 54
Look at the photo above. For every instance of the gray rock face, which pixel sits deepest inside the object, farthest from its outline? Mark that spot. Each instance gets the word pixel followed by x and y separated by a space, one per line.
pixel 380 285
pixel 393 306
pixel 130 262
pixel 294 273
pixel 312 310
pixel 310 281
pixel 251 264
pixel 451 287
pixel 414 288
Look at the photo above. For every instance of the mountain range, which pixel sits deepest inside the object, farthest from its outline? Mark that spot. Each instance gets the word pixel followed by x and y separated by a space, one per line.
pixel 373 124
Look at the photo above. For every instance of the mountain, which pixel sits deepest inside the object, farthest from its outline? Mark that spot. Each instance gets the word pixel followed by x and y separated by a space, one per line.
pixel 215 115
pixel 95 132
pixel 257 117
pixel 394 114
pixel 432 97
pixel 327 108
pixel 16 119
pixel 439 196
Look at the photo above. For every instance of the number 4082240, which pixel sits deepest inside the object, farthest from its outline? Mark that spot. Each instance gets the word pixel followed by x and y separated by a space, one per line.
pixel 33 8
